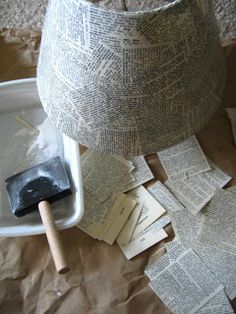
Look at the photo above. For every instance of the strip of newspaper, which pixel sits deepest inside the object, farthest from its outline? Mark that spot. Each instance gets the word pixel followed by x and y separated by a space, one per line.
pixel 186 284
pixel 164 197
pixel 128 229
pixel 101 173
pixel 186 227
pixel 218 304
pixel 151 209
pixel 146 238
pixel 183 160
pixel 195 192
pixel 141 174
pixel 219 222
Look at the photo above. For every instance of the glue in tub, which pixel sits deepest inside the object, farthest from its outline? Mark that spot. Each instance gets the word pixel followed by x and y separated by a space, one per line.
pixel 28 138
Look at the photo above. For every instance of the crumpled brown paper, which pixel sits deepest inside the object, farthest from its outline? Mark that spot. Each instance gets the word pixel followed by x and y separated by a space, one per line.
pixel 19 53
pixel 101 280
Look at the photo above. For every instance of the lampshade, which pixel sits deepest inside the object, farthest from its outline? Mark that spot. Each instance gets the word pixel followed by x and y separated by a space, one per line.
pixel 134 82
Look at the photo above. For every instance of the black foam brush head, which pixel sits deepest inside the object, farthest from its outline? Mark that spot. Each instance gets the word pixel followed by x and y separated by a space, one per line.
pixel 47 181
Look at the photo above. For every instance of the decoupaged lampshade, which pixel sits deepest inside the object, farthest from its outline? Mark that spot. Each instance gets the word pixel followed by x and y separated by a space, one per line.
pixel 134 82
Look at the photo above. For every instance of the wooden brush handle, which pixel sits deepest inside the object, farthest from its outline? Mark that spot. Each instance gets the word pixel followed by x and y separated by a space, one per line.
pixel 53 237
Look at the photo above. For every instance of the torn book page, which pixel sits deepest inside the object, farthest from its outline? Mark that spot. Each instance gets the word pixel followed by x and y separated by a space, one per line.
pixel 151 209
pixel 119 209
pixel 223 264
pixel 186 226
pixel 219 304
pixel 127 181
pixel 175 249
pixel 164 197
pixel 141 174
pixel 196 191
pixel 161 222
pixel 183 160
pixel 126 162
pixel 99 216
pixel 172 244
pixel 215 177
pixel 193 192
pixel 111 231
pixel 128 229
pixel 232 116
pixel 159 265
pixel 147 238
pixel 102 172
pixel 219 223
pixel 186 284
pixel 95 214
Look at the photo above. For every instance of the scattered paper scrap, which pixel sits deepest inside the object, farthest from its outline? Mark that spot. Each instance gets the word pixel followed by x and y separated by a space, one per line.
pixel 102 172
pixel 194 193
pixel 164 197
pixel 111 230
pixel 146 238
pixel 151 209
pixel 106 208
pixel 95 214
pixel 219 304
pixel 186 227
pixel 216 177
pixel 107 227
pixel 141 174
pixel 186 284
pixel 136 221
pixel 219 223
pixel 128 229
pixel 174 249
pixel 183 160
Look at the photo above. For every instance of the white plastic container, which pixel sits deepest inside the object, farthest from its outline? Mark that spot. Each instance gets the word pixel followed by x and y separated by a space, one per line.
pixel 21 95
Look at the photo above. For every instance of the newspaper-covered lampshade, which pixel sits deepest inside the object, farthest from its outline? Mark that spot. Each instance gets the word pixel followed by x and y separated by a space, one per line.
pixel 130 83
